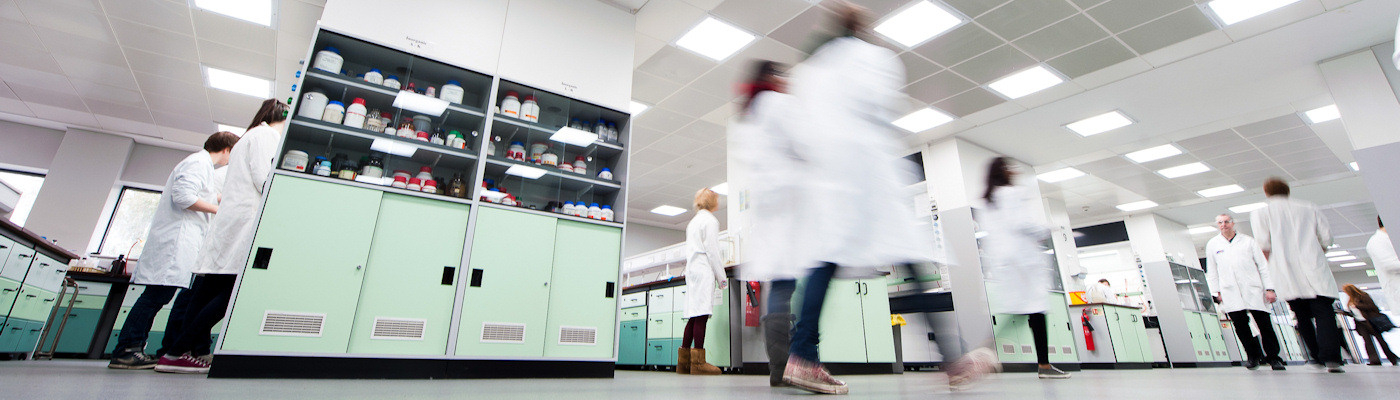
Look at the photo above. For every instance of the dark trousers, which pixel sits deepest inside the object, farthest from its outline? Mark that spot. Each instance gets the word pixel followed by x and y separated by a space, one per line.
pixel 1251 344
pixel 1317 324
pixel 804 334
pixel 137 327
pixel 1041 334
pixel 780 296
pixel 208 303
pixel 1370 337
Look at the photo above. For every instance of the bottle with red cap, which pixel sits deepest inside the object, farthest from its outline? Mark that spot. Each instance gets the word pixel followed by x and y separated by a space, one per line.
pixel 430 186
pixel 355 114
pixel 415 184
pixel 400 181
pixel 530 109
pixel 510 106
pixel 422 136
pixel 425 174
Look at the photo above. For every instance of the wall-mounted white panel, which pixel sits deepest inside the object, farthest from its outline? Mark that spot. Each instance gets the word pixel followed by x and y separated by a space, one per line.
pixel 28 145
pixel 151 165
pixel 465 33
pixel 581 49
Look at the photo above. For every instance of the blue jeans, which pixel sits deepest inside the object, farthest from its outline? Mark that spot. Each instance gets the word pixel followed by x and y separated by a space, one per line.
pixel 137 327
pixel 804 334
pixel 780 296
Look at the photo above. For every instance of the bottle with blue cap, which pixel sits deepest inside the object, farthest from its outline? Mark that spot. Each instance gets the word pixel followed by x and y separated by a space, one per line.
pixel 594 212
pixel 607 214
pixel 329 60
pixel 392 82
pixel 568 208
pixel 335 112
pixel 452 92
pixel 606 174
pixel 374 76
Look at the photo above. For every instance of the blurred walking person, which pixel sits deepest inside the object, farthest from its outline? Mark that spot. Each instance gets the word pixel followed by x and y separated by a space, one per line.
pixel 1363 309
pixel 1293 236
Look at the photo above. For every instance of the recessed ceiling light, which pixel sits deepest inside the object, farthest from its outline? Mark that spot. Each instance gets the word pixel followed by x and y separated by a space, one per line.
pixel 669 211
pixel 722 189
pixel 255 11
pixel 1337 253
pixel 1244 208
pixel 1232 11
pixel 238 83
pixel 1352 265
pixel 1023 83
pixel 715 39
pixel 574 136
pixel 637 108
pixel 1154 153
pixel 1340 259
pixel 525 171
pixel 1137 205
pixel 419 103
pixel 1098 254
pixel 917 23
pixel 1201 230
pixel 1062 174
pixel 1220 191
pixel 1184 170
pixel 230 129
pixel 1100 123
pixel 922 120
pixel 1354 166
pixel 1323 114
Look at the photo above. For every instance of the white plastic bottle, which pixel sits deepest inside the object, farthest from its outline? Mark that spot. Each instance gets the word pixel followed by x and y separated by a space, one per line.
pixel 606 174
pixel 355 114
pixel 510 106
pixel 530 109
pixel 594 212
pixel 452 92
pixel 581 210
pixel 392 82
pixel 374 76
pixel 568 208
pixel 329 60
pixel 335 112
pixel 607 213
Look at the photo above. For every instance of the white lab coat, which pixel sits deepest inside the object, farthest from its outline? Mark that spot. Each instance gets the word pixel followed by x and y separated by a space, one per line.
pixel 1236 269
pixel 1101 293
pixel 1387 265
pixel 703 264
pixel 1017 272
pixel 1298 236
pixel 230 237
pixel 847 94
pixel 770 156
pixel 176 234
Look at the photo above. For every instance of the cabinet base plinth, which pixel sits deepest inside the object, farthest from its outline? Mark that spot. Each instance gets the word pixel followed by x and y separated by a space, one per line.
pixel 263 367
pixel 1207 364
pixel 1033 367
pixel 1121 365
pixel 753 368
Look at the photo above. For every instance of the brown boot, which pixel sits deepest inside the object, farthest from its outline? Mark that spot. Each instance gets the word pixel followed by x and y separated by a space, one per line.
pixel 698 366
pixel 683 360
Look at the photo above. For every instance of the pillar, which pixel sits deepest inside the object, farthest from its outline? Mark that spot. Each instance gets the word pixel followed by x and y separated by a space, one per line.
pixel 80 182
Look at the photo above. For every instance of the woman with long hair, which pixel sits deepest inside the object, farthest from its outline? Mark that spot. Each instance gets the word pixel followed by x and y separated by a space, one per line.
pixel 1363 309
pixel 704 276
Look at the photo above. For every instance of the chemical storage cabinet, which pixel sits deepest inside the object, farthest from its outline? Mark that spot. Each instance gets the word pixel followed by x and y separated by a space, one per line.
pixel 583 291
pixel 506 301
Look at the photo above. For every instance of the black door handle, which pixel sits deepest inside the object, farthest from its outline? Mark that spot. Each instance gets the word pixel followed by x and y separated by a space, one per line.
pixel 25 255
pixel 476 277
pixel 448 273
pixel 262 257
pixel 857 288
pixel 608 291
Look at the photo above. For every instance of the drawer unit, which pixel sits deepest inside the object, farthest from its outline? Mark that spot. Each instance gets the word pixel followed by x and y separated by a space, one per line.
pixel 46 273
pixel 634 314
pixel 9 290
pixel 101 289
pixel 678 301
pixel 16 264
pixel 77 332
pixel 661 352
pixel 632 300
pixel 659 325
pixel 632 343
pixel 5 246
pixel 659 300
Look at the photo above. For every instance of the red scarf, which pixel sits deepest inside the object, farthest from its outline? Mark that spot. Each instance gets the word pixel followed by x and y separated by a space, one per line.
pixel 751 90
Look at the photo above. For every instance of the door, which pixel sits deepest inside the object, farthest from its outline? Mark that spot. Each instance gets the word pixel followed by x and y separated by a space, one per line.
pixel 659 300
pixel 1119 335
pixel 583 291
pixel 1061 338
pixel 299 289
pixel 842 337
pixel 875 312
pixel 410 284
pixel 1198 336
pixel 17 263
pixel 507 294
pixel 1216 336
pixel 632 343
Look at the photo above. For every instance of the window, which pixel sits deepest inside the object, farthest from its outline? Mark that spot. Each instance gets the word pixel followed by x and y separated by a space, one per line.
pixel 28 186
pixel 126 232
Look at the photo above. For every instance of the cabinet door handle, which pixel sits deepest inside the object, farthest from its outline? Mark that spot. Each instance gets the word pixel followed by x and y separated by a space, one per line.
pixel 448 273
pixel 262 257
pixel 476 277
pixel 52 300
pixel 608 291
pixel 857 288
pixel 25 255
pixel 30 296
pixel 9 290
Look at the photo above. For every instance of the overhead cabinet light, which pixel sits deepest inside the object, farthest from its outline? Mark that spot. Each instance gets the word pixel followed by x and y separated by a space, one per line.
pixel 1137 205
pixel 1201 230
pixel 917 23
pixel 1244 208
pixel 255 11
pixel 637 108
pixel 1323 114
pixel 1153 154
pixel 1353 265
pixel 1220 191
pixel 1062 174
pixel 1099 254
pixel 1100 123
pixel 393 147
pixel 1024 83
pixel 715 39
pixel 230 129
pixel 922 120
pixel 524 171
pixel 1184 170
pixel 238 83
pixel 669 211
pixel 1340 259
pixel 722 189
pixel 419 103
pixel 1354 166
pixel 574 136
pixel 1232 11
pixel 1337 253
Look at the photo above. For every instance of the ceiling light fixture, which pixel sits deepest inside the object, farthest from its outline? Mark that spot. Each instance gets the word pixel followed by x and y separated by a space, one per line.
pixel 1220 191
pixel 1353 265
pixel 1340 259
pixel 1354 166
pixel 1153 153
pixel 1244 208
pixel 1337 253
pixel 637 108
pixel 1100 123
pixel 1201 230
pixel 715 39
pixel 1323 114
pixel 922 120
pixel 574 136
pixel 1232 11
pixel 722 189
pixel 236 131
pixel 917 23
pixel 238 83
pixel 1137 205
pixel 1024 83
pixel 1062 174
pixel 419 103
pixel 669 211
pixel 1184 170
pixel 525 171
pixel 1098 254
pixel 255 11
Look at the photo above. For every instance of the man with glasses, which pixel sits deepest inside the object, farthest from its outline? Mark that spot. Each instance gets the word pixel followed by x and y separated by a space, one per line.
pixel 1237 271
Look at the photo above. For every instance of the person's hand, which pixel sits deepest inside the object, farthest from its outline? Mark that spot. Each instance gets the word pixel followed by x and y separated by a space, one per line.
pixel 1270 296
pixel 723 284
pixel 1216 298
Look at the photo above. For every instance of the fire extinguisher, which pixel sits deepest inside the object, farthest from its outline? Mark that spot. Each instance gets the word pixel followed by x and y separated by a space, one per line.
pixel 1088 330
pixel 751 309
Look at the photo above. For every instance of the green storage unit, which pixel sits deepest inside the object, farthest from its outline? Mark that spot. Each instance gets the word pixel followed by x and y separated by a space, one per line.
pixel 10 332
pixel 1216 337
pixel 405 304
pixel 9 290
pixel 302 283
pixel 505 303
pixel 17 263
pixel 1013 341
pixel 634 314
pixel 852 304
pixel 662 326
pixel 632 343
pixel 661 352
pixel 77 331
pixel 1199 340
pixel 1059 332
pixel 716 331
pixel 583 291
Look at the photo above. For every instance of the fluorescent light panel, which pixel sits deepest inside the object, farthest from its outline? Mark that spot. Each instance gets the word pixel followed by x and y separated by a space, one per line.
pixel 1062 174
pixel 1024 83
pixel 669 211
pixel 715 39
pixel 1201 230
pixel 255 11
pixel 922 120
pixel 1154 153
pixel 917 23
pixel 524 171
pixel 1354 166
pixel 230 129
pixel 1098 254
pixel 1337 253
pixel 1353 265
pixel 1184 170
pixel 420 104
pixel 1137 205
pixel 1220 191
pixel 1323 114
pixel 722 189
pixel 1233 11
pixel 1340 259
pixel 574 136
pixel 637 108
pixel 238 83
pixel 1100 123
pixel 1244 208
pixel 393 147
pixel 492 194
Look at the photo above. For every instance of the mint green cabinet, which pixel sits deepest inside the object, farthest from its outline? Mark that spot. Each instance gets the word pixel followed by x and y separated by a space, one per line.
pixel 1215 335
pixel 505 303
pixel 17 263
pixel 9 290
pixel 661 352
pixel 660 326
pixel 410 283
pixel 634 314
pixel 77 331
pixel 1013 338
pixel 583 291
pixel 716 330
pixel 632 343
pixel 1199 340
pixel 855 321
pixel 1061 338
pixel 300 288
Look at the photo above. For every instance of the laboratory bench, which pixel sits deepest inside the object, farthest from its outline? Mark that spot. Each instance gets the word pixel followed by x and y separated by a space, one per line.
pixel 1119 336
pixel 32 274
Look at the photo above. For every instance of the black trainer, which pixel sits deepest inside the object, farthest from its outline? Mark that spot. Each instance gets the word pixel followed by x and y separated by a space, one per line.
pixel 132 360
pixel 1251 364
pixel 1277 365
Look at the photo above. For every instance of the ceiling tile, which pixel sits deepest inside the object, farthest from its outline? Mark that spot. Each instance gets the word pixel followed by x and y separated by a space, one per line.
pixel 705 4
pixel 160 85
pixel 165 66
pixel 20 34
pixel 62 17
pixel 703 131
pixel 643 137
pixel 1316 172
pixel 1283 136
pixel 1309 144
pixel 650 89
pixel 1270 125
pixel 799 32
pixel 1172 29
pixel 61 43
pixel 1121 15
pixel 721 115
pixel 715 152
pixel 1061 38
pixel 653 157
pixel 236 33
pixel 136 114
pixel 994 64
pixel 96 91
pixel 172 105
pixel 28 58
pixel 1086 4
pixel 973 8
pixel 155 40
pixel 43 96
pixel 223 99
pixel 1018 18
pixel 877 8
pixel 63 115
pixel 959 45
pixel 235 117
pixel 723 81
pixel 293 47
pixel 1247 156
pixel 667 19
pixel 644 47
pixel 182 122
pixel 184 136
pixel 662 120
pixel 1225 138
pixel 125 125
pixel 767 49
pixel 164 14
pixel 692 103
pixel 917 67
pixel 938 87
pixel 676 65
pixel 675 144
pixel 113 75
pixel 969 102
pixel 234 59
pixel 1287 159
pixel 760 17
pixel 40 79
pixel 298 18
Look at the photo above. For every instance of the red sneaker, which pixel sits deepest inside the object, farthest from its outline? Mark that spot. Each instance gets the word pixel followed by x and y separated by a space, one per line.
pixel 184 364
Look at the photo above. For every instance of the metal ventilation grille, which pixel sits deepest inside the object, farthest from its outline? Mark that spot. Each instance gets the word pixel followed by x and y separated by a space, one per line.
pixel 1027 349
pixel 578 335
pixel 1066 350
pixel 1008 348
pixel 502 332
pixel 398 328
pixel 1052 349
pixel 278 323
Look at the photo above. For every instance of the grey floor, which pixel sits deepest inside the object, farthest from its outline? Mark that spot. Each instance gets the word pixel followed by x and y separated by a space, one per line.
pixel 65 379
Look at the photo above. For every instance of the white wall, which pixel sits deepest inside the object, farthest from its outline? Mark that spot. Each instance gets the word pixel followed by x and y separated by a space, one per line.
pixel 28 146
pixel 643 238
pixel 151 165
pixel 78 187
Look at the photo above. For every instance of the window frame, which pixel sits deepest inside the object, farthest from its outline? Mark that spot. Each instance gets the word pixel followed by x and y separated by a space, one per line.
pixel 111 217
pixel 30 172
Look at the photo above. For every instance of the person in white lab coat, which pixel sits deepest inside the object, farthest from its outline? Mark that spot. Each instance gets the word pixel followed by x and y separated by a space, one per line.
pixel 177 230
pixel 1017 270
pixel 704 277
pixel 1293 236
pixel 229 240
pixel 1387 265
pixel 1237 271
pixel 1102 292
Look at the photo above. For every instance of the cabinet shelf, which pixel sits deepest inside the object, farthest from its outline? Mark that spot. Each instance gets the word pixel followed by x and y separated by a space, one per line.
pixel 387 189
pixel 330 128
pixel 566 180
pixel 599 149
pixel 552 214
pixel 358 88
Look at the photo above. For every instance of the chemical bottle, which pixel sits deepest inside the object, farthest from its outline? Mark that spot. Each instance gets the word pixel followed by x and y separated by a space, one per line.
pixel 510 106
pixel 355 114
pixel 594 212
pixel 607 213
